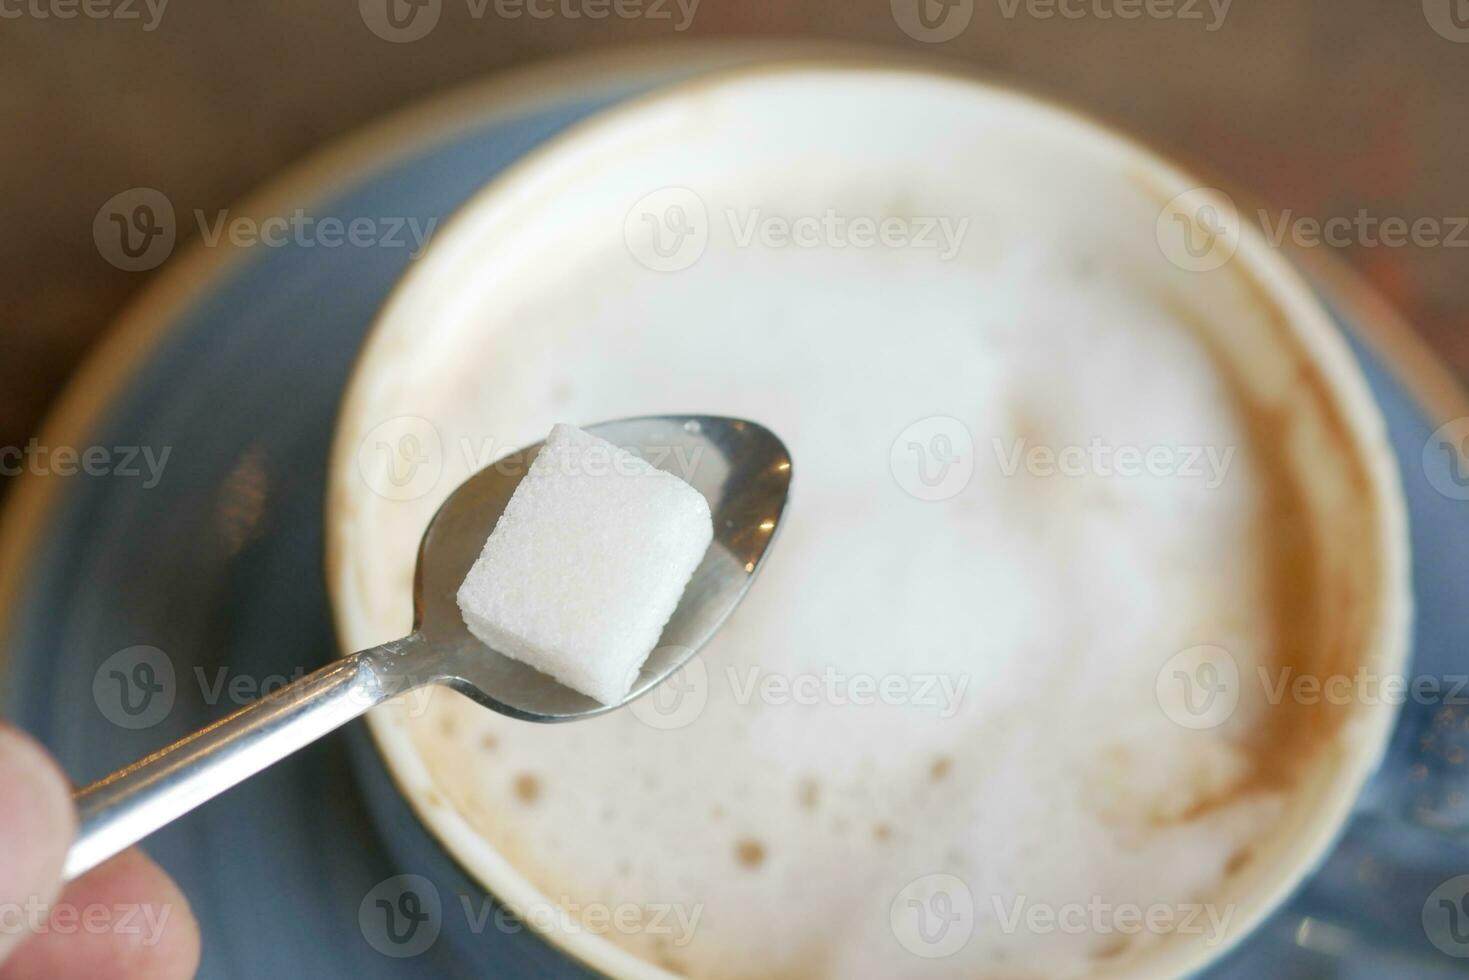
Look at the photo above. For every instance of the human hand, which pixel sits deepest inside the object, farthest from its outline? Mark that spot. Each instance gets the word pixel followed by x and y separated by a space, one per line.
pixel 124 920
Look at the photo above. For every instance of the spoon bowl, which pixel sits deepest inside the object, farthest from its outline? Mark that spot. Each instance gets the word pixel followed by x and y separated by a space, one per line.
pixel 741 468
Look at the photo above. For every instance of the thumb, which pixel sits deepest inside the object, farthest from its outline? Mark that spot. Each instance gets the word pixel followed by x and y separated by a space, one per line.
pixel 37 823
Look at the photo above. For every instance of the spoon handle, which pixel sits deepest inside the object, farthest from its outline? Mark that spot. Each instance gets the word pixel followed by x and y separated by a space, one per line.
pixel 123 808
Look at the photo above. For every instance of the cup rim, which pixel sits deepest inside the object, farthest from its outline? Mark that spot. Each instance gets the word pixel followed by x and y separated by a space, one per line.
pixel 1310 327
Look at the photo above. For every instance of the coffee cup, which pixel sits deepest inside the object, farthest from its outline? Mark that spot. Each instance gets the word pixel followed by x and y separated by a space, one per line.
pixel 1091 497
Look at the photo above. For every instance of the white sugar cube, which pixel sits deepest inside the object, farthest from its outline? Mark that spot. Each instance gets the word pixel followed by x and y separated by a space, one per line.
pixel 586 564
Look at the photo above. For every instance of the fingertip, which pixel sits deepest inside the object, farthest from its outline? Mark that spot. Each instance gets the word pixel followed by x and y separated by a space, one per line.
pixel 142 928
pixel 37 824
pixel 167 945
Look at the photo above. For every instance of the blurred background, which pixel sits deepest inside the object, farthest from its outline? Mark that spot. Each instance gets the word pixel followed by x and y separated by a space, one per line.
pixel 1321 108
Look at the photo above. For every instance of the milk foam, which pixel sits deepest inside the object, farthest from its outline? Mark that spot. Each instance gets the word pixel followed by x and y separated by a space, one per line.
pixel 1039 607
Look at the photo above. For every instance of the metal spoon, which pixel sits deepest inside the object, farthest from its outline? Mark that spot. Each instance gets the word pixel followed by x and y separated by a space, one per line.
pixel 742 469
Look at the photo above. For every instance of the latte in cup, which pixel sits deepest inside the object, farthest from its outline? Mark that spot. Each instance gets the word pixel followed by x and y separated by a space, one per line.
pixel 1005 701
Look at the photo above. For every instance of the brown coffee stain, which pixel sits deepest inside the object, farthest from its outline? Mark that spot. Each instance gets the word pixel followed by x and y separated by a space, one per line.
pixel 1318 625
pixel 527 788
pixel 1113 949
pixel 1309 376
pixel 488 743
pixel 750 853
pixel 671 963
pixel 1320 620
pixel 809 793
pixel 940 768
pixel 882 832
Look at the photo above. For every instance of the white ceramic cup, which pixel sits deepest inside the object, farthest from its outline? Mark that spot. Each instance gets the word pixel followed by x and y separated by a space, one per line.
pixel 941 144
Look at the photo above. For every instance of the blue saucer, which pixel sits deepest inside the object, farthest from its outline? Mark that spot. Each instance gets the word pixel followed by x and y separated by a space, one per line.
pixel 220 567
